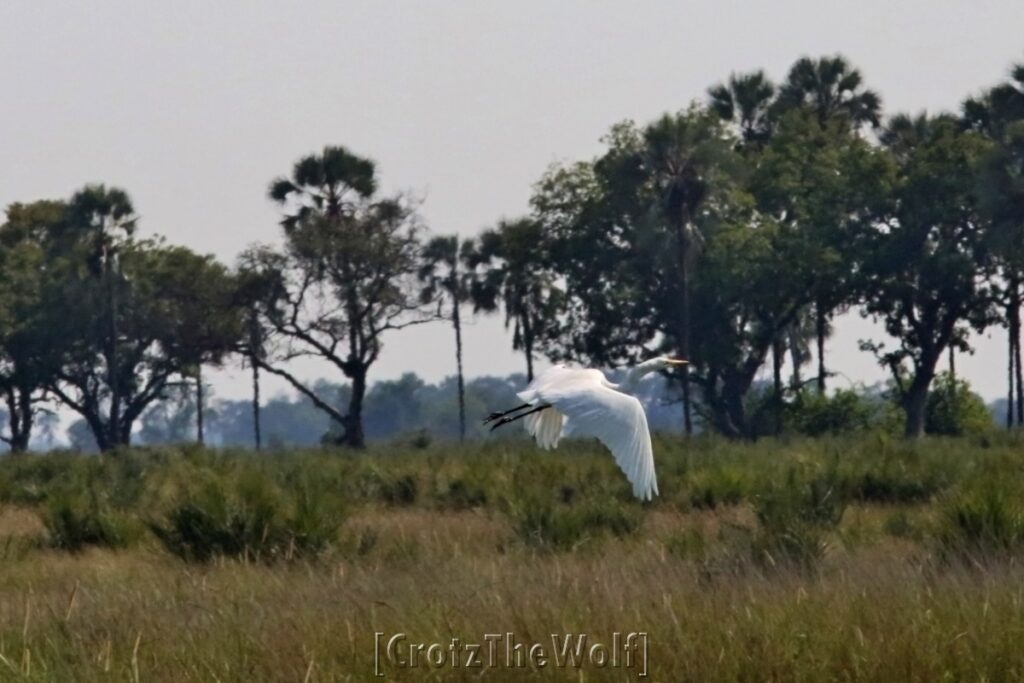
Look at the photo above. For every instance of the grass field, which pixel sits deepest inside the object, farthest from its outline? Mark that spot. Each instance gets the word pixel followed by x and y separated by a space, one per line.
pixel 854 560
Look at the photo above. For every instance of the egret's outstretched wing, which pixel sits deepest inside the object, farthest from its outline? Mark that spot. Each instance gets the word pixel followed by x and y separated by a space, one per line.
pixel 593 408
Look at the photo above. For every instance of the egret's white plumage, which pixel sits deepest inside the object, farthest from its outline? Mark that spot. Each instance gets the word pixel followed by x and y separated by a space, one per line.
pixel 582 402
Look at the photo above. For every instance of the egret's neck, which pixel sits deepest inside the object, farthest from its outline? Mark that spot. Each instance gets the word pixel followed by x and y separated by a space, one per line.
pixel 637 373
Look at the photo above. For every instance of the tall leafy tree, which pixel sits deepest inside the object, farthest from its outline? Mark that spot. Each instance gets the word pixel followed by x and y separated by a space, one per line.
pixel 926 269
pixel 513 273
pixel 28 363
pixel 100 220
pixel 832 90
pixel 746 102
pixel 173 307
pixel 446 271
pixel 999 115
pixel 345 277
pixel 682 154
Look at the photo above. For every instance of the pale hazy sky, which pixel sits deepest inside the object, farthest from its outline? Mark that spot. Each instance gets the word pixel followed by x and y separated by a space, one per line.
pixel 194 106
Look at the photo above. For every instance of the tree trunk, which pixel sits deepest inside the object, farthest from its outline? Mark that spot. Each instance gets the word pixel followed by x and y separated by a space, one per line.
pixel 1010 378
pixel 19 441
pixel 683 254
pixel 125 437
pixel 457 323
pixel 200 436
pixel 778 353
pixel 1015 333
pixel 954 397
pixel 821 329
pixel 796 356
pixel 19 419
pixel 916 402
pixel 113 365
pixel 353 425
pixel 256 403
pixel 727 406
pixel 916 399
pixel 528 346
pixel 114 434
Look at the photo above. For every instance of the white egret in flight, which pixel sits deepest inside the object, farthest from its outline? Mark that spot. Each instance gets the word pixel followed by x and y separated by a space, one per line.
pixel 564 401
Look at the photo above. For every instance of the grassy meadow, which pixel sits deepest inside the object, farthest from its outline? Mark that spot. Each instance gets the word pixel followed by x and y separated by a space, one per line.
pixel 860 559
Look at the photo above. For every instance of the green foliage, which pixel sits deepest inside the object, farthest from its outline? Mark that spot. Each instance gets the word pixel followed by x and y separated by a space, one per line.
pixel 841 412
pixel 73 524
pixel 926 269
pixel 76 519
pixel 462 494
pixel 983 520
pixel 954 410
pixel 345 275
pixel 168 307
pixel 716 486
pixel 511 269
pixel 794 517
pixel 246 514
pixel 544 521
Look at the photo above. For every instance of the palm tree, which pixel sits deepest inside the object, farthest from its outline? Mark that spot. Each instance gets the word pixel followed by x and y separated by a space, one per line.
pixel 830 87
pixel 999 115
pixel 511 272
pixel 325 194
pixel 102 217
pixel 444 275
pixel 329 184
pixel 746 101
pixel 254 289
pixel 683 154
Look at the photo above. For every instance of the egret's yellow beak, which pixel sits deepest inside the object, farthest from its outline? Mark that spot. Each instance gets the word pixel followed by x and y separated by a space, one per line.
pixel 677 361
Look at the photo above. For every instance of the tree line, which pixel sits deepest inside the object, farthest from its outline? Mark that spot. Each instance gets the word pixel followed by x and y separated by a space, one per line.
pixel 731 233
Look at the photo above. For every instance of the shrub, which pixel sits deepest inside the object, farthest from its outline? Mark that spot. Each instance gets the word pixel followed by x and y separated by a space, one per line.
pixel 842 412
pixel 889 486
pixel 954 410
pixel 461 495
pixel 76 521
pixel 723 485
pixel 795 517
pixel 247 516
pixel 399 490
pixel 985 520
pixel 543 522
pixel 373 482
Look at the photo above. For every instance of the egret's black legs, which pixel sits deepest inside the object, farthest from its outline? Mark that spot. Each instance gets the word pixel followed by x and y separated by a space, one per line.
pixel 513 418
pixel 494 416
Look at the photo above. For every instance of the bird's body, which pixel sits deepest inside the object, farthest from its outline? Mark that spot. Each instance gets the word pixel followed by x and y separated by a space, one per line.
pixel 565 401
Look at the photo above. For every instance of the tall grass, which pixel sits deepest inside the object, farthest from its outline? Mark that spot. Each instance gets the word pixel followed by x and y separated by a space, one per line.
pixel 865 559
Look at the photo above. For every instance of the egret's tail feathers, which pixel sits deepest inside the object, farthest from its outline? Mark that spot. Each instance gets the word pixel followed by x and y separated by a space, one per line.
pixel 546 427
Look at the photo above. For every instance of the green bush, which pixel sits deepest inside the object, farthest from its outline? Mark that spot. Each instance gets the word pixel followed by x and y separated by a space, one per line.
pixel 722 485
pixel 462 495
pixel 248 516
pixel 794 518
pixel 983 520
pixel 954 410
pixel 74 522
pixel 842 412
pixel 542 521
pixel 892 486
